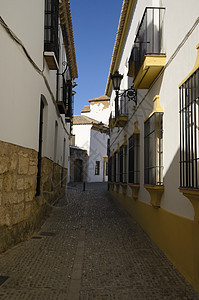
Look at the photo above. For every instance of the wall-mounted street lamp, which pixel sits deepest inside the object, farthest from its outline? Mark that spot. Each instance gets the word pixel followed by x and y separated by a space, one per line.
pixel 130 93
pixel 101 127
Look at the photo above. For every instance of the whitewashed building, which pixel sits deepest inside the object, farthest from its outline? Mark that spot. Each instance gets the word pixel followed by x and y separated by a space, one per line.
pixel 92 137
pixel 38 68
pixel 154 140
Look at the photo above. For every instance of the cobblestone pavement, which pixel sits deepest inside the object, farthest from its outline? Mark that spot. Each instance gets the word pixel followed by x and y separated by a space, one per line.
pixel 89 248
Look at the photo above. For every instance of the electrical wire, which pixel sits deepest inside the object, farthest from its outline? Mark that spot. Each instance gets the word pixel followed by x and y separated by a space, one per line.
pixel 39 71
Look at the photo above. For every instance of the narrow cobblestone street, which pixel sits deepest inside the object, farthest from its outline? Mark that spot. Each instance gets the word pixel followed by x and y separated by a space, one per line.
pixel 89 248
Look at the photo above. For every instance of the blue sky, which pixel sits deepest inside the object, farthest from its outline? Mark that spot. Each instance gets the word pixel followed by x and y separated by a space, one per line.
pixel 94 26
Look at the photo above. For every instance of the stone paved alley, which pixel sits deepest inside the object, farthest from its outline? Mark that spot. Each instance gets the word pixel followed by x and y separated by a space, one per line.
pixel 89 248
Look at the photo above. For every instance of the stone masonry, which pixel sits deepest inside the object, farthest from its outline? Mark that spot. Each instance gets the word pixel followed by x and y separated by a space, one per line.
pixel 20 211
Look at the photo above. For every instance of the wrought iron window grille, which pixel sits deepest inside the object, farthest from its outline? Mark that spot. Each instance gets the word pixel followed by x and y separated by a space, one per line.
pixel 189 132
pixel 51 39
pixel 134 159
pixel 153 150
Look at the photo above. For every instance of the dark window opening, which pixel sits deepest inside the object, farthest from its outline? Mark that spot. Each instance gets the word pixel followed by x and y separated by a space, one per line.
pixel 153 150
pixel 97 168
pixel 134 159
pixel 51 43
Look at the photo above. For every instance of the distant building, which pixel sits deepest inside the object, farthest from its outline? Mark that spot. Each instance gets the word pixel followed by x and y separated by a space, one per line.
pixel 90 136
pixel 38 68
pixel 154 141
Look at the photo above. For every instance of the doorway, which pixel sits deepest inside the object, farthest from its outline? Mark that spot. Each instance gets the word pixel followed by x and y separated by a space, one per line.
pixel 78 170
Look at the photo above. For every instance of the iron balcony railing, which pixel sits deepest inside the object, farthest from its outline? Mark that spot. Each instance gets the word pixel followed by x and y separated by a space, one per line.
pixel 121 107
pixel 51 42
pixel 149 37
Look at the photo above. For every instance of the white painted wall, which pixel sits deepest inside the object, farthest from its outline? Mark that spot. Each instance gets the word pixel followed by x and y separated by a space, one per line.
pixel 99 113
pixel 98 150
pixel 166 86
pixel 22 86
pixel 82 136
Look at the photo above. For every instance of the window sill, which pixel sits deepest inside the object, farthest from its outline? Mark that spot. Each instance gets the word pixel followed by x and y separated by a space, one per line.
pixel 51 60
pixel 193 196
pixel 155 192
pixel 117 184
pixel 124 187
pixel 135 190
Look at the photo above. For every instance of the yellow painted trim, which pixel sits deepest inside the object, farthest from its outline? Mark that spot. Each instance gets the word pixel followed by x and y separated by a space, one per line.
pixel 193 196
pixel 124 187
pixel 125 141
pixel 136 129
pixel 156 106
pixel 135 190
pixel 155 63
pixel 155 192
pixel 176 236
pixel 196 66
pixel 121 121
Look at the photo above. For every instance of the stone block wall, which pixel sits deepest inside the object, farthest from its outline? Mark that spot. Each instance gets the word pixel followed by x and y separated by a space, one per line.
pixel 21 213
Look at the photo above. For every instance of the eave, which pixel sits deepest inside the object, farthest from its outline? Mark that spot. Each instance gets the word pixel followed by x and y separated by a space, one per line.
pixel 125 18
pixel 65 19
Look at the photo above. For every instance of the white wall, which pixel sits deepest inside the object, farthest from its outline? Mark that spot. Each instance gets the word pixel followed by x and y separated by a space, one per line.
pixel 82 136
pixel 98 150
pixel 99 113
pixel 22 87
pixel 179 18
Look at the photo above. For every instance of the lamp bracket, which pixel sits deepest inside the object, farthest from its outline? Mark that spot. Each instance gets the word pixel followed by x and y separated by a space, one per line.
pixel 130 93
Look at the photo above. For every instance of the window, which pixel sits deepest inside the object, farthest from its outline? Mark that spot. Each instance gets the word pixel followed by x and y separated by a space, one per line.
pixel 51 27
pixel 122 163
pixel 97 168
pixel 189 132
pixel 110 169
pixel 134 158
pixel 106 166
pixel 153 149
pixel 114 163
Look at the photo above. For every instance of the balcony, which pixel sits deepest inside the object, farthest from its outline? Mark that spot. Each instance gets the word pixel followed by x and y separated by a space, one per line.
pixel 119 117
pixel 121 111
pixel 148 56
pixel 51 44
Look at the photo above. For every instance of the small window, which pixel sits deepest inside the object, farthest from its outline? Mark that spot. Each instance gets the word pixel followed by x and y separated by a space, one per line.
pixel 106 169
pixel 134 158
pixel 189 132
pixel 97 168
pixel 114 164
pixel 153 149
pixel 122 163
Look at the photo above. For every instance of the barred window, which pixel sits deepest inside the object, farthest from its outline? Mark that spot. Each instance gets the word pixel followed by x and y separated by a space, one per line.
pixel 134 159
pixel 110 161
pixel 122 164
pixel 51 27
pixel 117 167
pixel 189 132
pixel 97 168
pixel 113 173
pixel 153 149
